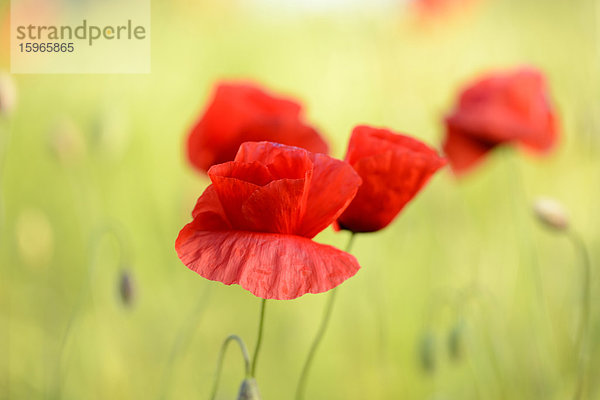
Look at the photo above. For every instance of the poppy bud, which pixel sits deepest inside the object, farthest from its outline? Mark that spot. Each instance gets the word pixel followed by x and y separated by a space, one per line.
pixel 8 94
pixel 551 213
pixel 427 352
pixel 455 341
pixel 126 288
pixel 249 390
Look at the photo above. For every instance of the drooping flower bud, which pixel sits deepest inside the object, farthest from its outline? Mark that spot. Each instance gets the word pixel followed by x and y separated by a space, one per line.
pixel 249 390
pixel 126 288
pixel 427 352
pixel 551 213
pixel 8 94
pixel 455 341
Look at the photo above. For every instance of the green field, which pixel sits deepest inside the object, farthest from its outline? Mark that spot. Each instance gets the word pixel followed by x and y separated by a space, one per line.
pixel 85 156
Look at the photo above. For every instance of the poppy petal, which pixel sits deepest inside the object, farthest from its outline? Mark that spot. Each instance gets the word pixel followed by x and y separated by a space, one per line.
pixel 390 181
pixel 287 131
pixel 234 182
pixel 464 152
pixel 270 266
pixel 368 141
pixel 208 213
pixel 277 207
pixel 334 185
pixel 283 162
pixel 240 112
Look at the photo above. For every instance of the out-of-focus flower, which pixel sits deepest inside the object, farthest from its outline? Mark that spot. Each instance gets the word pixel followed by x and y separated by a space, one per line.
pixel 35 237
pixel 8 94
pixel 500 108
pixel 66 142
pixel 393 168
pixel 434 8
pixel 253 225
pixel 4 37
pixel 551 213
pixel 241 112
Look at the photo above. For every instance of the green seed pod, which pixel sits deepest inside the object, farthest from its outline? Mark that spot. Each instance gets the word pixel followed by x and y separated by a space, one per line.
pixel 249 390
pixel 427 353
pixel 455 341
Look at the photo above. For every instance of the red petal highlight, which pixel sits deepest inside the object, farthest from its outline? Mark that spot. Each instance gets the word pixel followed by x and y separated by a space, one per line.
pixel 270 266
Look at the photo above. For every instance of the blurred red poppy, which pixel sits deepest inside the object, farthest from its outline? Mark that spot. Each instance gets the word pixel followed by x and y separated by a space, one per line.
pixel 432 9
pixel 253 225
pixel 509 107
pixel 393 168
pixel 241 112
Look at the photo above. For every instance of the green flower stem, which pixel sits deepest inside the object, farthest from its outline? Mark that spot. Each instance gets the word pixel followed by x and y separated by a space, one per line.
pixel 319 337
pixel 261 324
pixel 124 259
pixel 183 339
pixel 229 339
pixel 583 332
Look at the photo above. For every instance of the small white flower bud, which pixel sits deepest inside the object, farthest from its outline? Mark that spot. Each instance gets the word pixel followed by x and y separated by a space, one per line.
pixel 551 213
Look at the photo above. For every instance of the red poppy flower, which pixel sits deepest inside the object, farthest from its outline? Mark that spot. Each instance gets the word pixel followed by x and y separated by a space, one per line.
pixel 511 107
pixel 241 113
pixel 393 168
pixel 253 226
pixel 431 9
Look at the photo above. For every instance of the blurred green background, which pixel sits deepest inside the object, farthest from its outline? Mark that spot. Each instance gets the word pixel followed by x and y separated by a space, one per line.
pixel 87 155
